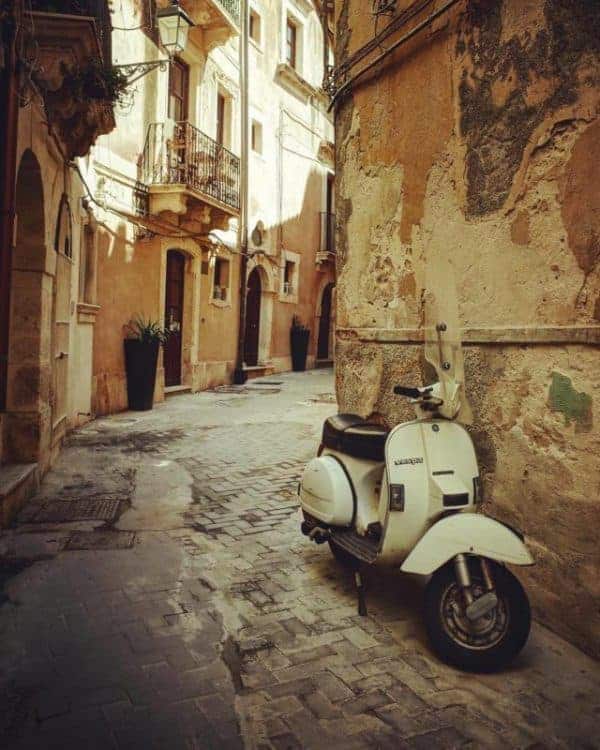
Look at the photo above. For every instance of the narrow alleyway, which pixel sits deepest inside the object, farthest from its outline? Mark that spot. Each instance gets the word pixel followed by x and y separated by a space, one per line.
pixel 158 594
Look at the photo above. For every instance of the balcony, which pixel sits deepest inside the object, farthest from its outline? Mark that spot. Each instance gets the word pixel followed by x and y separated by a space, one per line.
pixel 183 167
pixel 327 249
pixel 72 43
pixel 216 20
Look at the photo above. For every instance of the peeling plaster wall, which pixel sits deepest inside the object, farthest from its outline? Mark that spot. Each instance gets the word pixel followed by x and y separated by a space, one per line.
pixel 479 140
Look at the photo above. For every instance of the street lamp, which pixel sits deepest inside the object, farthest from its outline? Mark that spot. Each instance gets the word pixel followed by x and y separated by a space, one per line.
pixel 173 27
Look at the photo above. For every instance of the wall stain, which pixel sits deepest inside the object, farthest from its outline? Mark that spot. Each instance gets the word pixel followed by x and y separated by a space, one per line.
pixel 545 64
pixel 580 206
pixel 574 406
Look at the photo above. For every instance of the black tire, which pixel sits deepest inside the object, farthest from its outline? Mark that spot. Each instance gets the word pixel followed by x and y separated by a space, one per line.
pixel 344 557
pixel 499 637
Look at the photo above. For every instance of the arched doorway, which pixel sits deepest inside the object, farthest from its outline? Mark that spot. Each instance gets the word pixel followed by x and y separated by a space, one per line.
pixel 29 373
pixel 174 316
pixel 323 343
pixel 252 335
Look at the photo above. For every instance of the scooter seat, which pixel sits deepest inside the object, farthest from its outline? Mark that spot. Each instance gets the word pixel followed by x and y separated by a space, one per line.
pixel 355 436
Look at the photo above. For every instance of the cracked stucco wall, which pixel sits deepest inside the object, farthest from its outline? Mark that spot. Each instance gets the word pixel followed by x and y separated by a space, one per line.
pixel 479 141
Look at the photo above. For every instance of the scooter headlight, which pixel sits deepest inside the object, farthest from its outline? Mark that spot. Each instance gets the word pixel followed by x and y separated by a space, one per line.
pixel 396 497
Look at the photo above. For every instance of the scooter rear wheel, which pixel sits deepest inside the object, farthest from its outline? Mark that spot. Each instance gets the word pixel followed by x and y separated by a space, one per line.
pixel 486 644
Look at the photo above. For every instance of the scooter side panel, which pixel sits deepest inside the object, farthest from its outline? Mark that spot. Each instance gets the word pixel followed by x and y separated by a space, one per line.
pixel 406 465
pixel 427 457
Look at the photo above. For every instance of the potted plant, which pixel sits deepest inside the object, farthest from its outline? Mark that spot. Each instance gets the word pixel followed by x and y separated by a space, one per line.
pixel 299 335
pixel 144 337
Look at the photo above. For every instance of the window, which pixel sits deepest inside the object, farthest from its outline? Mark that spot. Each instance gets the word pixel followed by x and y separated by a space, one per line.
pixel 291 42
pixel 289 273
pixel 257 137
pixel 87 266
pixel 221 280
pixel 255 30
pixel 64 228
pixel 221 109
pixel 179 78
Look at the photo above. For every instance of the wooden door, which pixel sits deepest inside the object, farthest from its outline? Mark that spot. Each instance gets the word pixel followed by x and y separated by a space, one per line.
pixel 252 319
pixel 325 324
pixel 60 368
pixel 174 316
pixel 179 86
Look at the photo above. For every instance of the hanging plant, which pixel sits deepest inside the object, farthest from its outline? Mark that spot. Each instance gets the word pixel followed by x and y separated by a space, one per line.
pixel 97 81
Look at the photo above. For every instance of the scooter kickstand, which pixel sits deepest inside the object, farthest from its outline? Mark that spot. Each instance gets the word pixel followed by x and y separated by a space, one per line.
pixel 362 604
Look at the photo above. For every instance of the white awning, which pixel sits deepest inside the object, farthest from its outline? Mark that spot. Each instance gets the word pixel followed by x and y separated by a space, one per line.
pixel 226 237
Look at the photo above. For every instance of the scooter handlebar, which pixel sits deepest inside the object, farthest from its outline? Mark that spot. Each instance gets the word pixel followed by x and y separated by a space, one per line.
pixel 401 390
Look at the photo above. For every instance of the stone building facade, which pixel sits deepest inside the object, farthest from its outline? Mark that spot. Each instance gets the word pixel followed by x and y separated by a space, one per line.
pixel 475 141
pixel 46 324
pixel 123 200
pixel 167 181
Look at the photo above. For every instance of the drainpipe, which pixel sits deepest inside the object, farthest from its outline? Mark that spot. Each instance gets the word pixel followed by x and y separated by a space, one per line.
pixel 8 173
pixel 239 375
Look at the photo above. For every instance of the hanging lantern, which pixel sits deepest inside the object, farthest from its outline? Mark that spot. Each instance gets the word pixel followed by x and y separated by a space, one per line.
pixel 173 26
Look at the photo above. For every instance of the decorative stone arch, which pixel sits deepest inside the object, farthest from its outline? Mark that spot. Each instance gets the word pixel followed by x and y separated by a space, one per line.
pixel 28 399
pixel 268 291
pixel 327 286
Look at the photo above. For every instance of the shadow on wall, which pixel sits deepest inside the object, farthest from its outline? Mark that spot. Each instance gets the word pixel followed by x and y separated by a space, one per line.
pixel 128 285
pixel 299 287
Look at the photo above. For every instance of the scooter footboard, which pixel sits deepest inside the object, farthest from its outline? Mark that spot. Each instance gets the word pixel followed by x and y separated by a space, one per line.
pixel 470 533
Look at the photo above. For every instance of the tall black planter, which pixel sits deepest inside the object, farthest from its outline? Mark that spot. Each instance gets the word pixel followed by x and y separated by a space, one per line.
pixel 299 346
pixel 140 365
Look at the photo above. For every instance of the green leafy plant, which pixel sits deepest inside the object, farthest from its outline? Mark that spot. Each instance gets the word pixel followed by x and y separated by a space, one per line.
pixel 96 81
pixel 298 325
pixel 147 331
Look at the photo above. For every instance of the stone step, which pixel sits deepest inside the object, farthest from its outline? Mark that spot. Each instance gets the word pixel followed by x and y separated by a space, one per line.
pixel 18 482
pixel 177 390
pixel 258 371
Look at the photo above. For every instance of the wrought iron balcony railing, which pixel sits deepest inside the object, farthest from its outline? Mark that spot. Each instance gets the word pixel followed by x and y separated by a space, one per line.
pixel 183 155
pixel 327 232
pixel 233 8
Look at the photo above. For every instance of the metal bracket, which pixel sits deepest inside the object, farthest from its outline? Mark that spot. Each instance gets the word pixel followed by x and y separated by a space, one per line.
pixel 135 71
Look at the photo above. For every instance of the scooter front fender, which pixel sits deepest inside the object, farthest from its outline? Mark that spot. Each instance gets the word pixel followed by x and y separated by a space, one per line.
pixel 468 533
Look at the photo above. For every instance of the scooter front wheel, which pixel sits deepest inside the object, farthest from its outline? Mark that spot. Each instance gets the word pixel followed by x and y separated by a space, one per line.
pixel 487 643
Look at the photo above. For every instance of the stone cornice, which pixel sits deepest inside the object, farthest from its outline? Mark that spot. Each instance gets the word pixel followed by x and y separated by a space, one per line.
pixel 509 335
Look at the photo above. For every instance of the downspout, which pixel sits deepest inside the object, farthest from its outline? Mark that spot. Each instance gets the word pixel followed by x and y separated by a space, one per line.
pixel 8 173
pixel 239 375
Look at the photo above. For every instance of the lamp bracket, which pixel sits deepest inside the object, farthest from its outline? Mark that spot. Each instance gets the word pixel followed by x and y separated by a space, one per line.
pixel 135 71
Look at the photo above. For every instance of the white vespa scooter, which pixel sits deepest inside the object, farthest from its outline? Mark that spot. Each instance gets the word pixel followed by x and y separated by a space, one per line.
pixel 408 497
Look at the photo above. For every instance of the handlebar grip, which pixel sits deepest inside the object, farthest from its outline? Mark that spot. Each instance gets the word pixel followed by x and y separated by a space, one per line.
pixel 401 390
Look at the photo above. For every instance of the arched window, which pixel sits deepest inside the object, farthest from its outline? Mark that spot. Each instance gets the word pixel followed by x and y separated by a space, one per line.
pixel 63 242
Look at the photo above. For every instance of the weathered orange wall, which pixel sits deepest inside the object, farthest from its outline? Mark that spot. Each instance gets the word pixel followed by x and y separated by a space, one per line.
pixel 128 285
pixel 478 143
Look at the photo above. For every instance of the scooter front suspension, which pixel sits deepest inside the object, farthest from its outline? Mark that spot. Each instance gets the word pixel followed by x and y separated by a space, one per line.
pixel 475 608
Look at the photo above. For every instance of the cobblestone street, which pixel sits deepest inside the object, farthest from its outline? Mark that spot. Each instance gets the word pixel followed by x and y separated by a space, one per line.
pixel 157 593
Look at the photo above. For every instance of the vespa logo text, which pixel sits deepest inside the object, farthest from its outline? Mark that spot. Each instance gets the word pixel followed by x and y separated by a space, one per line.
pixel 405 461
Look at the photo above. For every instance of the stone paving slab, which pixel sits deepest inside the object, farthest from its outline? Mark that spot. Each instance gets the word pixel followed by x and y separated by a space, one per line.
pixel 221 626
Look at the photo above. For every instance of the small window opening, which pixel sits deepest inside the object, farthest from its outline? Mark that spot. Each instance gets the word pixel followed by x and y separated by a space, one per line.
pixel 288 277
pixel 257 137
pixel 255 27
pixel 291 43
pixel 221 280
